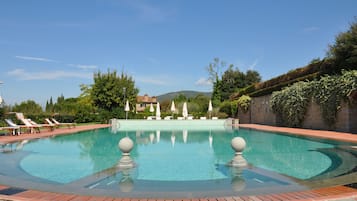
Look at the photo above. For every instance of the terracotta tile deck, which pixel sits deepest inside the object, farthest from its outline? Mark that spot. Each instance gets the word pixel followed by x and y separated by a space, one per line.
pixel 340 193
pixel 339 136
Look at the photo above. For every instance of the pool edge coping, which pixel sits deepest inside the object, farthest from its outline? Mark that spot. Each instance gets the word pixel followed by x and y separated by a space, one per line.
pixel 339 136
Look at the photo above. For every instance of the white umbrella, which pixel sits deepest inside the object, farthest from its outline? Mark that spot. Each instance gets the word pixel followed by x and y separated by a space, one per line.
pixel 151 108
pixel 184 110
pixel 1 100
pixel 126 109
pixel 158 113
pixel 210 108
pixel 173 109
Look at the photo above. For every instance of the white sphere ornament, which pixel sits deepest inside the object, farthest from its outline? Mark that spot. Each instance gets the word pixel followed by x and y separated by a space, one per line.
pixel 126 145
pixel 238 144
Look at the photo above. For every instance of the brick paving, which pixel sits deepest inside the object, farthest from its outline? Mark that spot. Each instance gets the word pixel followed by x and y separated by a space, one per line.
pixel 332 135
pixel 340 193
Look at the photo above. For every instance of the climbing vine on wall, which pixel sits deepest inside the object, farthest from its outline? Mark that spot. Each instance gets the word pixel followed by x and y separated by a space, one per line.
pixel 291 103
pixel 244 102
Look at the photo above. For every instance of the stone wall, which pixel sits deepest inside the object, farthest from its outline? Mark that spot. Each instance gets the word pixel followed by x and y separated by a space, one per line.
pixel 260 113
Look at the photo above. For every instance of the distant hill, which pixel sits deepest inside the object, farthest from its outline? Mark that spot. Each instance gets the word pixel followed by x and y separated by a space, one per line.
pixel 188 94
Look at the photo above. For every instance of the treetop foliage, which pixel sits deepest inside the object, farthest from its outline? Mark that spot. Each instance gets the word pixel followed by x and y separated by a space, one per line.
pixel 110 90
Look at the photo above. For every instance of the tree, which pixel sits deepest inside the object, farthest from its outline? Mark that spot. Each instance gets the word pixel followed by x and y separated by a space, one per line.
pixel 230 81
pixel 28 107
pixel 344 51
pixel 214 70
pixel 110 91
pixel 49 106
pixel 85 97
pixel 251 77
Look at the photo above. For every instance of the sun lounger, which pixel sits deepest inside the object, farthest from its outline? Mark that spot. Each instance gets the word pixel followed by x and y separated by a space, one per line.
pixel 13 129
pixel 50 127
pixel 69 125
pixel 168 118
pixel 33 128
pixel 51 123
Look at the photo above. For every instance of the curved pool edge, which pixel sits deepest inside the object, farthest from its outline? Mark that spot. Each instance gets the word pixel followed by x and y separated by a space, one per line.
pixel 350 192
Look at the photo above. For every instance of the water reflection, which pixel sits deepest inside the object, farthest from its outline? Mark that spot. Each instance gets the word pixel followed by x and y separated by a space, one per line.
pixel 126 184
pixel 173 139
pixel 184 136
pixel 237 180
pixel 157 136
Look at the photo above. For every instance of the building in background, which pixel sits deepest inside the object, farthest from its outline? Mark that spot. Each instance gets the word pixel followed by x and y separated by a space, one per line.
pixel 143 102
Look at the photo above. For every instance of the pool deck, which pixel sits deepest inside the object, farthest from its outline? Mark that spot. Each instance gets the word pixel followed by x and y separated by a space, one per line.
pixel 341 193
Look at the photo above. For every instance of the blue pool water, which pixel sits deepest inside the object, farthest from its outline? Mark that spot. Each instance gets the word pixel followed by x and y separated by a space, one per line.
pixel 180 155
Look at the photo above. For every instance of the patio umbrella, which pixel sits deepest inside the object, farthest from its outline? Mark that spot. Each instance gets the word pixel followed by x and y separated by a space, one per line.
pixel 184 110
pixel 173 108
pixel 126 109
pixel 210 108
pixel 151 108
pixel 158 113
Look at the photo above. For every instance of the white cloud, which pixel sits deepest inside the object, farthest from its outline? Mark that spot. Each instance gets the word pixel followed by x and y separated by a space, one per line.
pixel 35 58
pixel 203 82
pixel 84 67
pixel 22 74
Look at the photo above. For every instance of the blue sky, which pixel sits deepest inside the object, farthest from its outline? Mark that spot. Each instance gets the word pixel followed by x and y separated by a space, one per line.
pixel 49 48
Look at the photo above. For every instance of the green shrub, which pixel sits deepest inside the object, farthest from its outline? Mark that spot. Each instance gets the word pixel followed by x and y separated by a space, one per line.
pixel 244 103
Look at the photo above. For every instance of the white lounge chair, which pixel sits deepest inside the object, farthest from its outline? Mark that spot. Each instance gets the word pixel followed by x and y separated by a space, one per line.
pixel 168 118
pixel 33 128
pixel 69 125
pixel 12 128
pixel 50 127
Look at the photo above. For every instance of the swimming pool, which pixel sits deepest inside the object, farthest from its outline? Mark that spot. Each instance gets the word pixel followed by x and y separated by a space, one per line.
pixel 177 162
